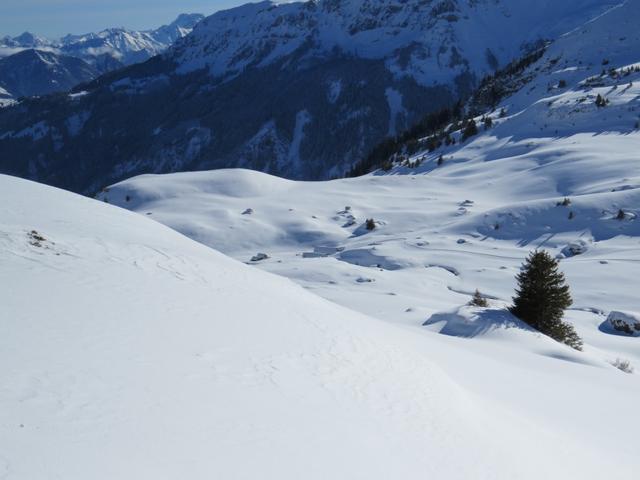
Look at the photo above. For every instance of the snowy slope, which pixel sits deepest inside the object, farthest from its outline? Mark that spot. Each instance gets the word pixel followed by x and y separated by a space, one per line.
pixel 129 351
pixel 444 231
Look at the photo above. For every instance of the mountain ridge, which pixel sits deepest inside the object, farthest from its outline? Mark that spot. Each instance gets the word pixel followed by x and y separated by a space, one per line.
pixel 259 87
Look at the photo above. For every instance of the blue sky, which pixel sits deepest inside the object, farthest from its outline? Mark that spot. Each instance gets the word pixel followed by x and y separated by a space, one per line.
pixel 54 18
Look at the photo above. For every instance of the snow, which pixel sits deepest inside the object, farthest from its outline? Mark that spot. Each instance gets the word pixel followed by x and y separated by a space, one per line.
pixel 431 42
pixel 394 99
pixel 129 46
pixel 76 122
pixel 443 232
pixel 302 119
pixel 366 361
pixel 334 91
pixel 36 131
pixel 140 333
pixel 6 99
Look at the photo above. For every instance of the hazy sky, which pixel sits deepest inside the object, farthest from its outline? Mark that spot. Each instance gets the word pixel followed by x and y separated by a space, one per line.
pixel 54 18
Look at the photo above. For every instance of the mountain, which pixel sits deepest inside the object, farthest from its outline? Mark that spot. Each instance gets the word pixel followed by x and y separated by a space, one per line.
pixel 38 72
pixel 302 90
pixel 128 46
pixel 27 40
pixel 34 66
pixel 117 329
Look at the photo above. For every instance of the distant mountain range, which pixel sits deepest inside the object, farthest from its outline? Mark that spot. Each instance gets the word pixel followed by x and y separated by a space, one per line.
pixel 302 90
pixel 33 65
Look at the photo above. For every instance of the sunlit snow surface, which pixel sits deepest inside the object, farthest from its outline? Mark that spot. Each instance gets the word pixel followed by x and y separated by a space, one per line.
pixel 128 350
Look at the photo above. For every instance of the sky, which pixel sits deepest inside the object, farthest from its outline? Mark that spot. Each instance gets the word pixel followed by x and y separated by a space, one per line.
pixel 54 18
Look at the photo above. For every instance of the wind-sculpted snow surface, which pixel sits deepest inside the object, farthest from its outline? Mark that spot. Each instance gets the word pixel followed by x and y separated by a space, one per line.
pixel 118 330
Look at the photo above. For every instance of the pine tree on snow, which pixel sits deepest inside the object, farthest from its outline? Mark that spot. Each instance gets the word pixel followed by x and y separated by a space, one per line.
pixel 542 297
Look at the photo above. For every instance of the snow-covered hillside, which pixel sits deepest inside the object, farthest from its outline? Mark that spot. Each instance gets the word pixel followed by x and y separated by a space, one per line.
pixel 132 350
pixel 128 350
pixel 554 172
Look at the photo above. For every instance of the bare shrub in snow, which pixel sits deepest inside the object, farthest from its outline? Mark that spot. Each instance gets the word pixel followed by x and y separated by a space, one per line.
pixel 370 224
pixel 623 365
pixel 478 300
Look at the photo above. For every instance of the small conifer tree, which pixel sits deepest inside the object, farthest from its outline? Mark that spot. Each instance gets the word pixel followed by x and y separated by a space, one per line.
pixel 542 297
pixel 601 101
pixel 470 129
pixel 478 300
pixel 370 224
pixel 620 215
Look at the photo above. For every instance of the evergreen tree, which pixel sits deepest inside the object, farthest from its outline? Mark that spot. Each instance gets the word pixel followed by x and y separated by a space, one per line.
pixel 478 300
pixel 542 297
pixel 470 129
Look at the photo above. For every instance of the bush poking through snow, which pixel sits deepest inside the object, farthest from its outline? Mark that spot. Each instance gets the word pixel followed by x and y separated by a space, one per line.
pixel 470 130
pixel 478 300
pixel 620 215
pixel 601 101
pixel 370 224
pixel 542 297
pixel 623 365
